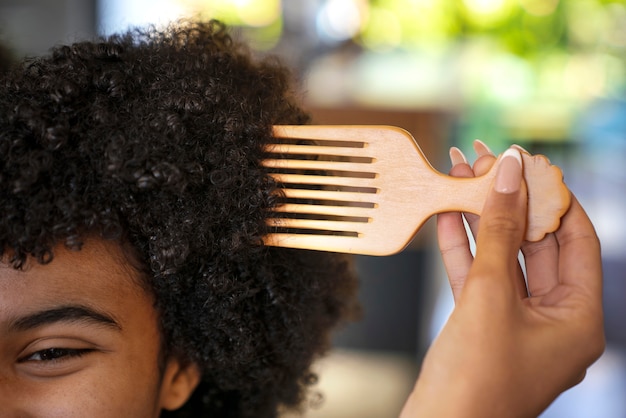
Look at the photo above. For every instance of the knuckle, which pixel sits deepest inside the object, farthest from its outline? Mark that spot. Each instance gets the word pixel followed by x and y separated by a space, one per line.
pixel 533 248
pixel 453 248
pixel 500 224
pixel 597 342
pixel 598 348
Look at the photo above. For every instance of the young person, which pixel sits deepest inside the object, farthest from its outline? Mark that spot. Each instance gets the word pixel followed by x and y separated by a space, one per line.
pixel 133 280
pixel 133 208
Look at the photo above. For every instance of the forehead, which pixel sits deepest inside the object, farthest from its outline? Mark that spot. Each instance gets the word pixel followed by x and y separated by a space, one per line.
pixel 98 275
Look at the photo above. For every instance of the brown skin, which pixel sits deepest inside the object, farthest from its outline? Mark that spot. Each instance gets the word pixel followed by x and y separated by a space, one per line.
pixel 502 353
pixel 90 307
pixel 506 351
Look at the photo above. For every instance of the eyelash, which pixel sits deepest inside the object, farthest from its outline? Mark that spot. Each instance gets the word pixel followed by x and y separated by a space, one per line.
pixel 55 354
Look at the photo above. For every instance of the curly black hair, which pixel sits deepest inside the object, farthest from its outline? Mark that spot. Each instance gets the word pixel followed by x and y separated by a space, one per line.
pixel 154 137
pixel 6 58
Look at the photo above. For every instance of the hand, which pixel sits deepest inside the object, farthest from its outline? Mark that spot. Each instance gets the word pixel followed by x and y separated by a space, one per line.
pixel 509 349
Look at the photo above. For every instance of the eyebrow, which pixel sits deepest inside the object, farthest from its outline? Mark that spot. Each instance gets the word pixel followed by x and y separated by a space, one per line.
pixel 67 314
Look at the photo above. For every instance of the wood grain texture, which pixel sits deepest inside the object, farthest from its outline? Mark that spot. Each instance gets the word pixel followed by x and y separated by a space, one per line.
pixel 369 189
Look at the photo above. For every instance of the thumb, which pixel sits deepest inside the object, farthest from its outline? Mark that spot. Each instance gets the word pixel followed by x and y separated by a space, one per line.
pixel 503 219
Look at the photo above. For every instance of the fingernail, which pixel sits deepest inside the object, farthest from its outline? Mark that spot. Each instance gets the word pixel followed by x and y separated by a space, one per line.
pixel 509 175
pixel 481 148
pixel 457 156
pixel 520 148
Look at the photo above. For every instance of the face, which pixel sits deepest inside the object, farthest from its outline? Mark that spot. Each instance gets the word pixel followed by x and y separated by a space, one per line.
pixel 79 337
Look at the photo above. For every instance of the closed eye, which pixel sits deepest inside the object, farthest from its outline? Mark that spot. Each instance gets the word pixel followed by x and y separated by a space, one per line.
pixel 55 354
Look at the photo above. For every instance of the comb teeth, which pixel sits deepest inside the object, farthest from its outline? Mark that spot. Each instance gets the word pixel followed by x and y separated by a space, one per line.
pixel 338 168
pixel 326 187
pixel 369 189
pixel 365 198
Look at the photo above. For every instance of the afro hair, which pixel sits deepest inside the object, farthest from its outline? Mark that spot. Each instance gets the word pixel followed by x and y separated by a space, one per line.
pixel 153 138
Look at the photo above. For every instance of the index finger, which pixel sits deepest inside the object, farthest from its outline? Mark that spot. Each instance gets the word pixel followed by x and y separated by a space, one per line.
pixel 580 261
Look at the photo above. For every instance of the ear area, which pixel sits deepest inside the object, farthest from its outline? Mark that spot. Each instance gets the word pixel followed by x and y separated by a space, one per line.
pixel 179 382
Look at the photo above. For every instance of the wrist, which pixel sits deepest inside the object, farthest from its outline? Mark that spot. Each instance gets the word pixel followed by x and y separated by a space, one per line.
pixel 458 396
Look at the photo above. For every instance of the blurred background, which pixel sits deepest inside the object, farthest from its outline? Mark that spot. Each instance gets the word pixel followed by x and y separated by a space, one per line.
pixel 549 75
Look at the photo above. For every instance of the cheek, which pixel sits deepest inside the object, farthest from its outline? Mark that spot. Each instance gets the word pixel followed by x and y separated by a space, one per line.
pixel 95 393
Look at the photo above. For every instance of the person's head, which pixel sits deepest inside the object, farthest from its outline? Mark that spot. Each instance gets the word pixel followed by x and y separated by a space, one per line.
pixel 133 274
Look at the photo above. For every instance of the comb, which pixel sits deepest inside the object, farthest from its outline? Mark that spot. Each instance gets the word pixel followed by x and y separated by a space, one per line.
pixel 369 189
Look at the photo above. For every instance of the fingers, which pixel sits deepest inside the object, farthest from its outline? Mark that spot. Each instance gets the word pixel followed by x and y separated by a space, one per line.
pixel 542 265
pixel 451 234
pixel 580 262
pixel 485 159
pixel 569 256
pixel 580 267
pixel 482 165
pixel 503 222
pixel 541 260
pixel 455 250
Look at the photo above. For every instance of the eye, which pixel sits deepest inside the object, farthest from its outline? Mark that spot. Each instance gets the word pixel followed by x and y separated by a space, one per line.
pixel 55 354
